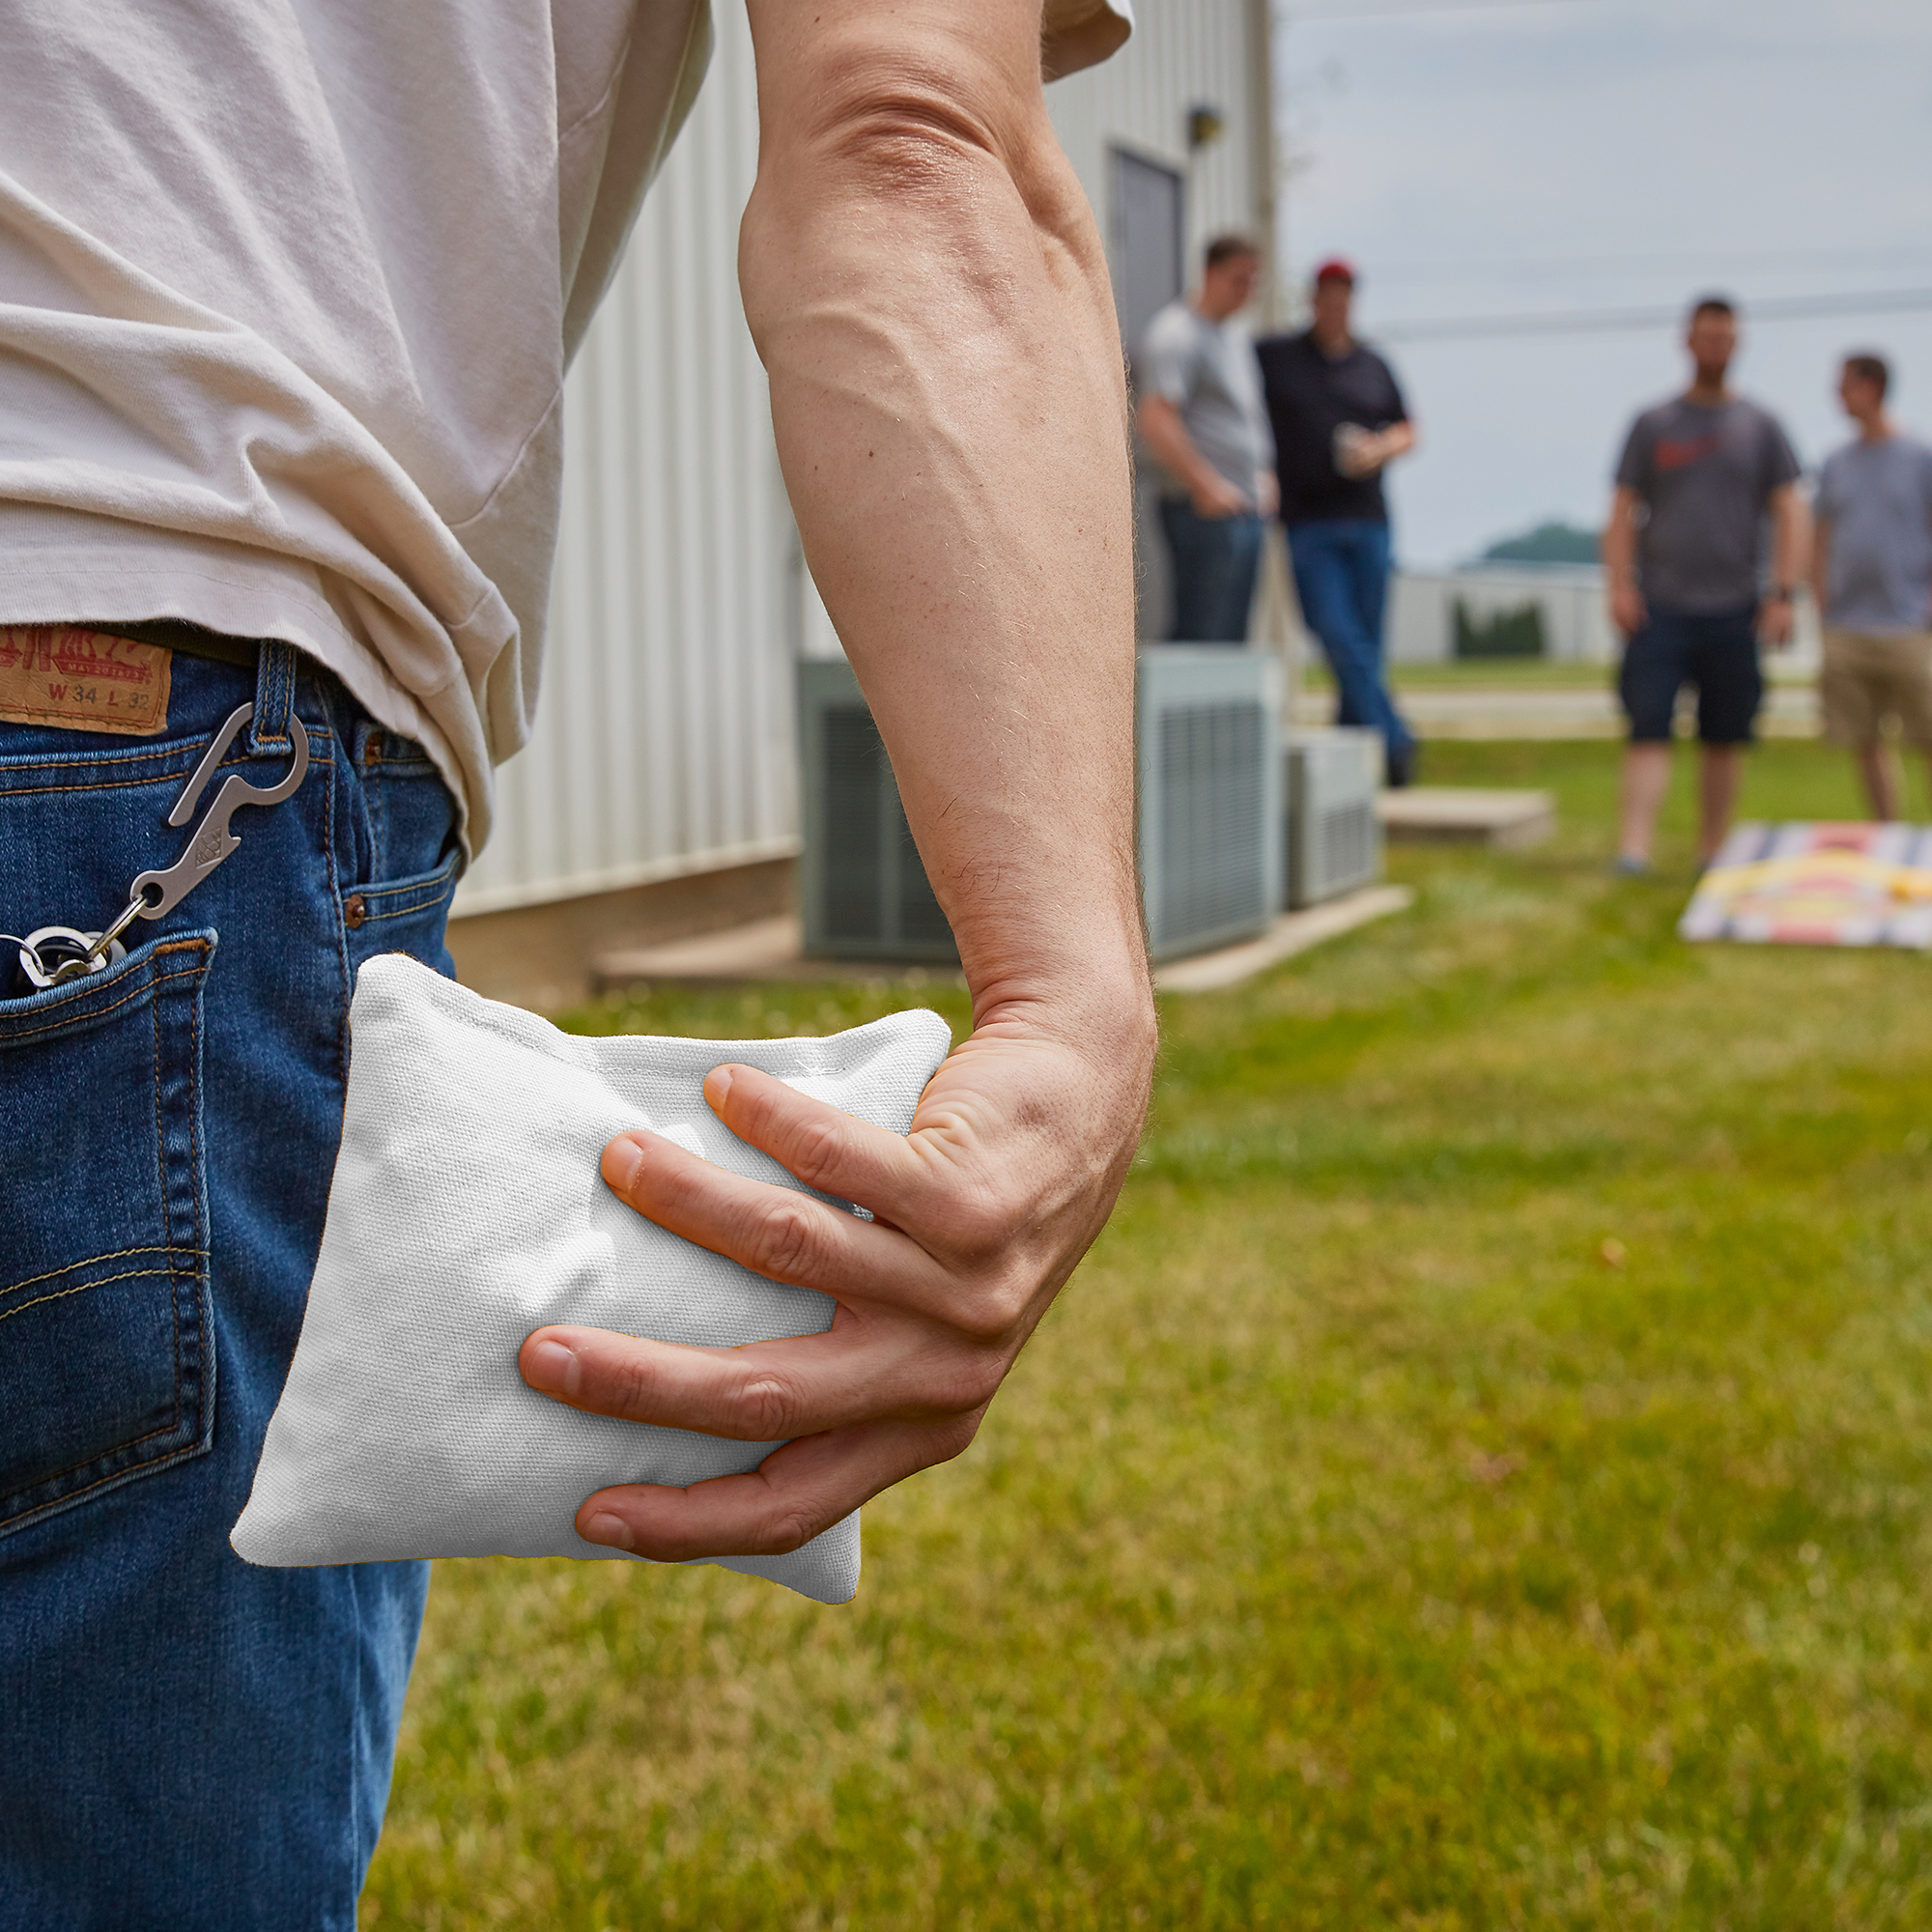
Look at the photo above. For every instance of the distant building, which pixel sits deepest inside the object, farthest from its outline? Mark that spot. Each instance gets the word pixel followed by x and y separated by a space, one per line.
pixel 658 794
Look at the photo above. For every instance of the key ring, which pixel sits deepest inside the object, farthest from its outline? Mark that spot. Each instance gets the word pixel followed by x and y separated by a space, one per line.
pixel 155 893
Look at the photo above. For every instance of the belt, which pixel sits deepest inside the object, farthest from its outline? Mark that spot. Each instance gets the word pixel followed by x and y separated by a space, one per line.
pixel 177 634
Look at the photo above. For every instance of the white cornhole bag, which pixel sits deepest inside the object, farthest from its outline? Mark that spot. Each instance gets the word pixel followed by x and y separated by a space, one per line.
pixel 466 1210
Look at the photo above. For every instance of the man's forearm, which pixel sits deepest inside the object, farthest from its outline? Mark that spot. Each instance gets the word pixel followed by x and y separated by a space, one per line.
pixel 925 287
pixel 1619 541
pixel 931 297
pixel 1787 559
pixel 1821 562
pixel 1172 448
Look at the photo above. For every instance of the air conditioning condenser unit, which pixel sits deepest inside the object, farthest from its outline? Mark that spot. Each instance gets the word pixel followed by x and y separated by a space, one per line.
pixel 1209 778
pixel 1334 838
pixel 1209 750
pixel 864 893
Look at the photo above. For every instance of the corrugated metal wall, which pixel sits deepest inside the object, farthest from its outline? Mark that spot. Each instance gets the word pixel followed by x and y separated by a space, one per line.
pixel 664 737
pixel 1183 54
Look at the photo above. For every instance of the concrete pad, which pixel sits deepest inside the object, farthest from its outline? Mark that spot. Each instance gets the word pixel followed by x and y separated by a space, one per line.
pixel 1292 933
pixel 764 949
pixel 1466 814
pixel 771 948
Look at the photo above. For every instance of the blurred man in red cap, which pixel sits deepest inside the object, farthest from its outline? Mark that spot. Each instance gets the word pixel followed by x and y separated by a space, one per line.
pixel 1338 417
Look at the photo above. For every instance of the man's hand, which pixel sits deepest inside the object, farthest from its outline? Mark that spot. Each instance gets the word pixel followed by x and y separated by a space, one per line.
pixel 1790 547
pixel 1268 493
pixel 1629 612
pixel 1214 496
pixel 1369 451
pixel 1208 489
pixel 1016 1155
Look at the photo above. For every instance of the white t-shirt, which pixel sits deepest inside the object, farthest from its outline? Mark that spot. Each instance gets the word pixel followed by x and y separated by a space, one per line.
pixel 287 291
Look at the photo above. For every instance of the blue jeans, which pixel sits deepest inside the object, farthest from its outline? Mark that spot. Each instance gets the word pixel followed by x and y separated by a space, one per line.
pixel 189 1742
pixel 1214 562
pixel 1341 578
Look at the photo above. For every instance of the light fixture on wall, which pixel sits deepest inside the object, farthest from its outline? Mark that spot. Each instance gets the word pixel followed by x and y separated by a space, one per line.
pixel 1204 126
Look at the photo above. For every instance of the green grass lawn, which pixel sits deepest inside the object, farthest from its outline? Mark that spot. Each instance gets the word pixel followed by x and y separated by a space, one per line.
pixel 1479 1480
pixel 1522 674
pixel 1478 674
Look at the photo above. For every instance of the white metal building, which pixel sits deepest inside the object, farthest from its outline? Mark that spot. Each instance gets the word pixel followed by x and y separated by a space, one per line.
pixel 663 745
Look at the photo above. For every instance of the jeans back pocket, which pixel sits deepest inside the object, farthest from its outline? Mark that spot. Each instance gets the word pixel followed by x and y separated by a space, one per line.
pixel 106 1345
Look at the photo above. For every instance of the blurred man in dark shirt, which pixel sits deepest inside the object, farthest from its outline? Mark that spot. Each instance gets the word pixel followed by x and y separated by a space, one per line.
pixel 1338 417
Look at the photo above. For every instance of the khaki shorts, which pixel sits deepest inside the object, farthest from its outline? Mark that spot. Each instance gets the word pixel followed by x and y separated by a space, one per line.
pixel 1867 679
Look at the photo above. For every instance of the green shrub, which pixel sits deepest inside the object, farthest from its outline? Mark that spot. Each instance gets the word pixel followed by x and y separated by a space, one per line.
pixel 1502 634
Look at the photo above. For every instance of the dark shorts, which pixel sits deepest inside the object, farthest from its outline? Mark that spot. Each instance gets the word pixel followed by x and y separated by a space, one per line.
pixel 1717 651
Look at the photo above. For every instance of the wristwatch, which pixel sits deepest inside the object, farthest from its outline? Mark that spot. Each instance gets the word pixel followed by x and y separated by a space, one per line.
pixel 1778 593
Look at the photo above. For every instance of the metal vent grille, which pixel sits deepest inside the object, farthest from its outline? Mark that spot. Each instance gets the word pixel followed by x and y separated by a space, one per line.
pixel 864 890
pixel 1334 839
pixel 1211 821
pixel 1348 836
pixel 854 885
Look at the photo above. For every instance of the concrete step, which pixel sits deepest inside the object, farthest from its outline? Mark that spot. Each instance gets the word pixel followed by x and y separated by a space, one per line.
pixel 1466 814
pixel 772 949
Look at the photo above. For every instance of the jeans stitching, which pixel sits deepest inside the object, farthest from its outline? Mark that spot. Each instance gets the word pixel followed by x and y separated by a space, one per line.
pixel 99 1012
pixel 343 966
pixel 167 1218
pixel 425 904
pixel 444 875
pixel 130 784
pixel 112 1255
pixel 81 1287
pixel 113 1476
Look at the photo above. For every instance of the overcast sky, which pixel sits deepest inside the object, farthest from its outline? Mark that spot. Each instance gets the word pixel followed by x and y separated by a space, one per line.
pixel 1579 154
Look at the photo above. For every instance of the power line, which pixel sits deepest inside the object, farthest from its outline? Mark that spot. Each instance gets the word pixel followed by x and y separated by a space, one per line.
pixel 1382 9
pixel 1545 266
pixel 1580 321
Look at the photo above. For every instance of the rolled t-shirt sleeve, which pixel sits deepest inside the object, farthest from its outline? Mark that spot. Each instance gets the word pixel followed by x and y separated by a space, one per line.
pixel 1397 404
pixel 1165 365
pixel 1780 460
pixel 1633 467
pixel 1077 34
pixel 1825 505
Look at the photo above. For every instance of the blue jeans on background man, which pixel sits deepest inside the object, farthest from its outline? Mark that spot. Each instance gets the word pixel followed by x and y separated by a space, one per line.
pixel 1215 562
pixel 1341 578
pixel 189 1741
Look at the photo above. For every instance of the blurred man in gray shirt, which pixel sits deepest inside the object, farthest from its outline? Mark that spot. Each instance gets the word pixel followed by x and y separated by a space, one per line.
pixel 1701 477
pixel 1872 572
pixel 1202 416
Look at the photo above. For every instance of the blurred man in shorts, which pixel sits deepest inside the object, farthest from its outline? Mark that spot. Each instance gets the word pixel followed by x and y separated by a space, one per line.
pixel 1872 572
pixel 1683 555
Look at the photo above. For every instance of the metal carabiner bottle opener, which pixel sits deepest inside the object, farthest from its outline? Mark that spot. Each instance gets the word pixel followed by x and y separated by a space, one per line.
pixel 212 841
pixel 153 894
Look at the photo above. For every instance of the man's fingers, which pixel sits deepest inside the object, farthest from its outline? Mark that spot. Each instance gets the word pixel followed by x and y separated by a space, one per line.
pixel 766 1392
pixel 794 1495
pixel 772 1231
pixel 837 1152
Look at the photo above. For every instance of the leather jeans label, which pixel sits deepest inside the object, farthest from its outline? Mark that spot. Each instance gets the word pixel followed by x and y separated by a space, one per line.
pixel 83 680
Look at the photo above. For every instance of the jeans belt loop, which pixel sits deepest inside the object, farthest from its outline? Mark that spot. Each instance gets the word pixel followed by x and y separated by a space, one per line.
pixel 276 673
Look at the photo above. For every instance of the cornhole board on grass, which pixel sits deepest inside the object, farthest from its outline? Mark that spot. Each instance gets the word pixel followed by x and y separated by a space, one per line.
pixel 1817 885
